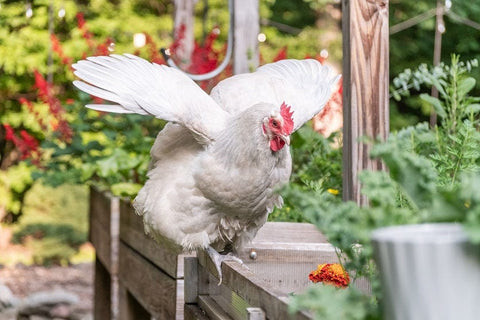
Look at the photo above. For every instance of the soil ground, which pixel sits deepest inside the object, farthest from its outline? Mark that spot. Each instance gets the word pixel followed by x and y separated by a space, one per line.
pixel 77 279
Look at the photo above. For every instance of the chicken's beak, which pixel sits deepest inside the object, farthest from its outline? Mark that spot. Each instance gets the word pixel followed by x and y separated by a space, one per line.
pixel 286 139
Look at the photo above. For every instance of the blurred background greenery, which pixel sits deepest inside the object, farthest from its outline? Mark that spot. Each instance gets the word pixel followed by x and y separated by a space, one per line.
pixel 52 148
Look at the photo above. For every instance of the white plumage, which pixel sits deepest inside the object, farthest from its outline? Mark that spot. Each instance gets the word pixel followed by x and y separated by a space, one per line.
pixel 216 164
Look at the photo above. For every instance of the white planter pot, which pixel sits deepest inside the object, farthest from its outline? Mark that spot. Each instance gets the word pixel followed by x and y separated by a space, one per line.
pixel 428 272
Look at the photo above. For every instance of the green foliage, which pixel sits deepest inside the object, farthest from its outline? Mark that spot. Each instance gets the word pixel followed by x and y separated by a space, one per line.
pixel 25 46
pixel 434 176
pixel 317 164
pixel 330 302
pixel 415 45
pixel 13 184
pixel 453 146
pixel 112 151
pixel 54 225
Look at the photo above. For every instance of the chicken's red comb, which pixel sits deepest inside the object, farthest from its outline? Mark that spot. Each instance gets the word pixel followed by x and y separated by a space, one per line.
pixel 287 118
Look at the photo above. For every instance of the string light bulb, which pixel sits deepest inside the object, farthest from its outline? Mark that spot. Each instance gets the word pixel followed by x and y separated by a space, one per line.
pixel 324 53
pixel 261 37
pixel 441 28
pixel 29 10
pixel 139 40
pixel 61 13
pixel 448 4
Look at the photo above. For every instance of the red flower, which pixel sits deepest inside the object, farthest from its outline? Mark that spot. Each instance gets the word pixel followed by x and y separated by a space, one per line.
pixel 55 106
pixel 330 273
pixel 155 55
pixel 26 144
pixel 80 20
pixel 87 35
pixel 281 55
pixel 57 48
pixel 10 135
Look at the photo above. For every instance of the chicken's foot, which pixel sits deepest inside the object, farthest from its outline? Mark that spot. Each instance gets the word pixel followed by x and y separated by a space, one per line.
pixel 218 258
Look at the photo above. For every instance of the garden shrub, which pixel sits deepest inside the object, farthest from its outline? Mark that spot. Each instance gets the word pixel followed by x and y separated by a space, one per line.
pixel 433 176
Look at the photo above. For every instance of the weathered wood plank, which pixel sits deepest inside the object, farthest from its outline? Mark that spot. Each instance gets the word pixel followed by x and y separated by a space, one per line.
pixel 193 312
pixel 228 300
pixel 104 228
pixel 101 240
pixel 214 311
pixel 365 87
pixel 153 289
pixel 191 279
pixel 285 242
pixel 129 308
pixel 169 259
pixel 184 16
pixel 253 290
pixel 246 23
pixel 289 232
pixel 255 314
pixel 100 207
pixel 179 314
pixel 102 308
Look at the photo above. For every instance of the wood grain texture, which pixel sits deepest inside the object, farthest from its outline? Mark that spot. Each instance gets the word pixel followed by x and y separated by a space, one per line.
pixel 191 279
pixel 129 307
pixel 167 258
pixel 250 288
pixel 102 308
pixel 365 83
pixel 152 288
pixel 288 243
pixel 104 228
pixel 184 16
pixel 255 314
pixel 214 311
pixel 246 22
pixel 193 312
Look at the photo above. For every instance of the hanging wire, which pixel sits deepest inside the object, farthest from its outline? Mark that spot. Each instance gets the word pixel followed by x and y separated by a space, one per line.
pixel 463 20
pixel 430 13
pixel 221 67
pixel 413 21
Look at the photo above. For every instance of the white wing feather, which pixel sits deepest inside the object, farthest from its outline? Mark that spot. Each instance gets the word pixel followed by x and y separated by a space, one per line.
pixel 138 86
pixel 305 85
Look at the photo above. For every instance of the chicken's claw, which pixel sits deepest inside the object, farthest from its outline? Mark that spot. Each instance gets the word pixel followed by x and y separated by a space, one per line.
pixel 218 258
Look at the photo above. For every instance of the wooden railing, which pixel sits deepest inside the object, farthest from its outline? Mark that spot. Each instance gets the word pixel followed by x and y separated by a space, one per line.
pixel 157 281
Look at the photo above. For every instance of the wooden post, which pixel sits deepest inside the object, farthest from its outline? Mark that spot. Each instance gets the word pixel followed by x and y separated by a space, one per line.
pixel 437 52
pixel 365 87
pixel 103 234
pixel 246 28
pixel 184 15
pixel 102 292
pixel 130 308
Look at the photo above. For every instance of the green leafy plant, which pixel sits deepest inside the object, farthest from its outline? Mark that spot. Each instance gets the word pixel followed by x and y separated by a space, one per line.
pixel 317 164
pixel 433 176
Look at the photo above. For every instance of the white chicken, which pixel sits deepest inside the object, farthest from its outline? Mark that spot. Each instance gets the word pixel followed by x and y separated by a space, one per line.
pixel 216 164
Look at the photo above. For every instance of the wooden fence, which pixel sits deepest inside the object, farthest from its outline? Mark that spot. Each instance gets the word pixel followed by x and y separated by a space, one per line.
pixel 157 281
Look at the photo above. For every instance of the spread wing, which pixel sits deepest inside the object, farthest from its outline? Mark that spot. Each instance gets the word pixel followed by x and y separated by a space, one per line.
pixel 138 86
pixel 305 85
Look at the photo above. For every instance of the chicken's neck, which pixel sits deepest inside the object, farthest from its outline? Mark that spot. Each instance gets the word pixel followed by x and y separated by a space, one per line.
pixel 243 142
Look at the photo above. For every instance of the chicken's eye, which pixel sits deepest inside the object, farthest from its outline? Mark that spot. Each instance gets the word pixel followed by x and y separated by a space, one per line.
pixel 275 123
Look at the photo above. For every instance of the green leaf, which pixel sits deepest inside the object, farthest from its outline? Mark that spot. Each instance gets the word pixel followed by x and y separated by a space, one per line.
pixel 465 86
pixel 126 189
pixel 472 108
pixel 436 103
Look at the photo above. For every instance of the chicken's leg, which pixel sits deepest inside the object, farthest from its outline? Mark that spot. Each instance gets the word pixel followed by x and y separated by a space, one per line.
pixel 218 258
